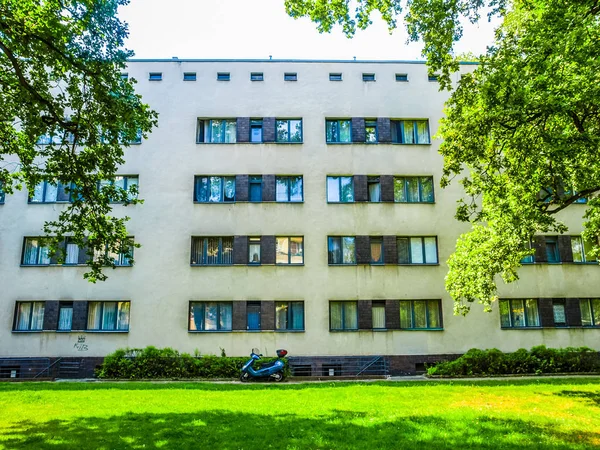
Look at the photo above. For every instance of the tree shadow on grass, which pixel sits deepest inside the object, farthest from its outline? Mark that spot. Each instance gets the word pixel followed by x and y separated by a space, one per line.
pixel 593 397
pixel 219 430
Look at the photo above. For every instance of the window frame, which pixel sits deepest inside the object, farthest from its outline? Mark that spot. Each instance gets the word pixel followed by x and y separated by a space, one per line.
pixel 344 303
pixel 257 76
pixel 337 124
pixel 341 238
pixel 102 330
pixel 428 327
pixel 206 125
pixel 223 76
pixel 189 76
pixel 289 316
pixel 400 131
pixel 425 263
pixel 378 304
pixel 562 302
pixel 30 318
pixel 420 188
pixel 583 254
pixel 154 76
pixel 526 318
pixel 252 241
pixel 41 244
pixel 339 177
pixel 402 77
pixel 204 262
pixel 556 259
pixel 59 184
pixel 256 124
pixel 372 123
pixel 290 76
pixel 255 180
pixel 220 304
pixel 592 311
pixel 111 182
pixel 64 305
pixel 2 195
pixel 335 76
pixel 289 263
pixel 289 134
pixel 368 77
pixel 370 181
pixel 256 305
pixel 288 179
pixel 223 180
pixel 378 240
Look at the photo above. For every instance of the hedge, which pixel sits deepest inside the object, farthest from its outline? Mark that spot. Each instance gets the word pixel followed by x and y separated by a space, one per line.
pixel 152 362
pixel 535 361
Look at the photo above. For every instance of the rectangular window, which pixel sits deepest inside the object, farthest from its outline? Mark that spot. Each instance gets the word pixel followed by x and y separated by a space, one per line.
pixel 65 316
pixel 128 183
pixel 338 131
pixel 374 189
pixel 214 189
pixel 256 76
pixel 376 244
pixel 189 76
pixel 108 316
pixel 590 312
pixel 371 136
pixel 155 76
pixel 253 316
pixel 210 316
pixel 417 250
pixel 256 131
pixel 223 76
pixel 212 251
pixel 122 258
pixel 335 77
pixel 413 190
pixel 124 76
pixel 343 316
pixel 432 78
pixel 378 313
pixel 29 316
pixel 290 76
pixel 368 77
pixel 51 192
pixel 410 131
pixel 289 316
pixel 216 131
pixel 35 252
pixel 289 130
pixel 340 189
pixel 289 188
pixel 254 250
pixel 558 310
pixel 255 188
pixel 519 313
pixel 1 194
pixel 289 250
pixel 341 250
pixel 552 253
pixel 420 314
pixel 581 250
pixel 402 77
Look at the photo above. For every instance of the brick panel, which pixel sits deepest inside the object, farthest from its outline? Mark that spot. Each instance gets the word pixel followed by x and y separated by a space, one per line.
pixel 387 188
pixel 573 312
pixel 384 130
pixel 240 250
pixel 239 318
pixel 360 188
pixel 546 312
pixel 363 250
pixel 365 315
pixel 241 188
pixel 267 315
pixel 358 129
pixel 267 250
pixel 268 188
pixel 392 314
pixel 564 249
pixel 539 245
pixel 268 129
pixel 80 310
pixel 243 129
pixel 390 250
pixel 50 315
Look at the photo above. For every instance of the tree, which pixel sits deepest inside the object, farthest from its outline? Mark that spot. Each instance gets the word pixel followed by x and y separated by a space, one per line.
pixel 522 130
pixel 61 63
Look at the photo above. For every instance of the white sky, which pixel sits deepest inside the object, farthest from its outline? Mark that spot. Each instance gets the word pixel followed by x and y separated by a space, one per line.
pixel 259 28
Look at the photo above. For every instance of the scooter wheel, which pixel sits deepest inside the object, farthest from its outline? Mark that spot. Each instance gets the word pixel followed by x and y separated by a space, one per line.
pixel 244 378
pixel 278 377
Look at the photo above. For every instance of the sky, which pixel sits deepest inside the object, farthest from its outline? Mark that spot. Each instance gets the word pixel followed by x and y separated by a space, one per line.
pixel 236 29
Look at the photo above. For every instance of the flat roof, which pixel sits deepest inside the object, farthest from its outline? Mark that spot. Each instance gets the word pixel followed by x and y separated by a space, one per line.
pixel 308 61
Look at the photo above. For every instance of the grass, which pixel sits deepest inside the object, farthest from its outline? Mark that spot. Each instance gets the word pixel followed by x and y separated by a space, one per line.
pixel 524 414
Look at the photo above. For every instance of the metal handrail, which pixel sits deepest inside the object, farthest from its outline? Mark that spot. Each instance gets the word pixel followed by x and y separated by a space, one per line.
pixel 47 369
pixel 377 358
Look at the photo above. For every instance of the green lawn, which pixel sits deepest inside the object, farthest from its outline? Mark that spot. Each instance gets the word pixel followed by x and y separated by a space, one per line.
pixel 525 414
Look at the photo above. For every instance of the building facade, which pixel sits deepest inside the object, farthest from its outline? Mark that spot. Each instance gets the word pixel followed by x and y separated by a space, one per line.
pixel 287 204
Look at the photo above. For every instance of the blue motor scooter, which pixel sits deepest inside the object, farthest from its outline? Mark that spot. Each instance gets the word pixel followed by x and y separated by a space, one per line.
pixel 273 370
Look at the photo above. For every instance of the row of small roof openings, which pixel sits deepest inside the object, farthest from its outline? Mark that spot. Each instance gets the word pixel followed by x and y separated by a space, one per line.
pixel 288 76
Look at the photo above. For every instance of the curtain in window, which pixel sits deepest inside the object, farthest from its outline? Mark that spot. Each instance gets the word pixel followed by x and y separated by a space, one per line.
pixel 416 251
pixel 403 250
pixel 347 189
pixel 296 189
pixel 408 131
pixel 335 250
pixel 38 192
pixel 62 195
pixel 412 189
pixel 596 307
pixel 109 316
pixel 350 316
pixel 216 131
pixel 197 316
pixel 420 312
pixel 379 316
pixel 430 250
pixel 229 189
pixel 215 189
pixel 281 315
pixel 533 317
pixel 31 251
pixel 227 250
pixel 348 249
pixel 43 255
pixel 254 251
pixel 344 130
pixel 376 246
pixel 94 316
pixel 282 249
pixel 518 313
pixel 422 132
pixel 23 313
pixel 374 192
pixel 51 192
pixel 399 190
pixel 230 131
pixel 197 249
pixel 297 250
pixel 65 318
pixel 587 248
pixel 405 315
pixel 226 316
pixel 281 189
pixel 202 189
pixel 123 316
pixel 426 189
pixel 295 131
pixel 577 247
pixel 37 316
pixel 72 253
pixel 335 312
pixel 298 315
pixel 504 313
pixel 586 312
pixel 333 189
pixel 210 316
pixel 433 309
pixel 331 131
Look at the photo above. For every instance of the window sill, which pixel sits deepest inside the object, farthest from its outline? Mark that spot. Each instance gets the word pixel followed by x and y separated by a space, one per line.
pixel 217 265
pixel 107 331
pixel 420 329
pixel 27 331
pixel 213 331
pixel 354 330
pixel 416 264
pixel 292 143
pixel 50 203
pixel 342 265
pixel 522 328
pixel 71 265
pixel 342 143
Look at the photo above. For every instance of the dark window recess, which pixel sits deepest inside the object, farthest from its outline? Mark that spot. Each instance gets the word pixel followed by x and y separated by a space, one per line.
pixel 302 370
pixel 253 315
pixel 332 370
pixel 368 77
pixel 432 78
pixel 255 188
pixel 289 76
pixel 374 189
pixel 552 253
pixel 189 76
pixel 559 312
pixel 155 76
pixel 371 132
pixel 256 76
pixel 335 77
pixel 124 76
pixel 376 247
pixel 65 316
pixel 401 77
pixel 420 368
pixel 256 131
pixel 254 250
pixel 223 76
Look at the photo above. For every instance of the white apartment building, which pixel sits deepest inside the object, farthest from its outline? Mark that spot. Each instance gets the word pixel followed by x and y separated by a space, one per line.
pixel 287 204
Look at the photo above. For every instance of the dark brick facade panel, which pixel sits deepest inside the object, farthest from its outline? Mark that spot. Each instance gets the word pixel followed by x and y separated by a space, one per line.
pixel 267 250
pixel 50 315
pixel 267 315
pixel 573 312
pixel 80 310
pixel 407 364
pixel 384 130
pixel 268 129
pixel 392 314
pixel 363 250
pixel 268 188
pixel 539 245
pixel 365 315
pixel 239 319
pixel 390 250
pixel 546 312
pixel 564 248
pixel 358 129
pixel 241 188
pixel 360 188
pixel 387 188
pixel 243 129
pixel 240 250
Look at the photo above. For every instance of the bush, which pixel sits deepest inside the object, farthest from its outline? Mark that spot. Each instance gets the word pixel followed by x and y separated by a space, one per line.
pixel 535 361
pixel 151 362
